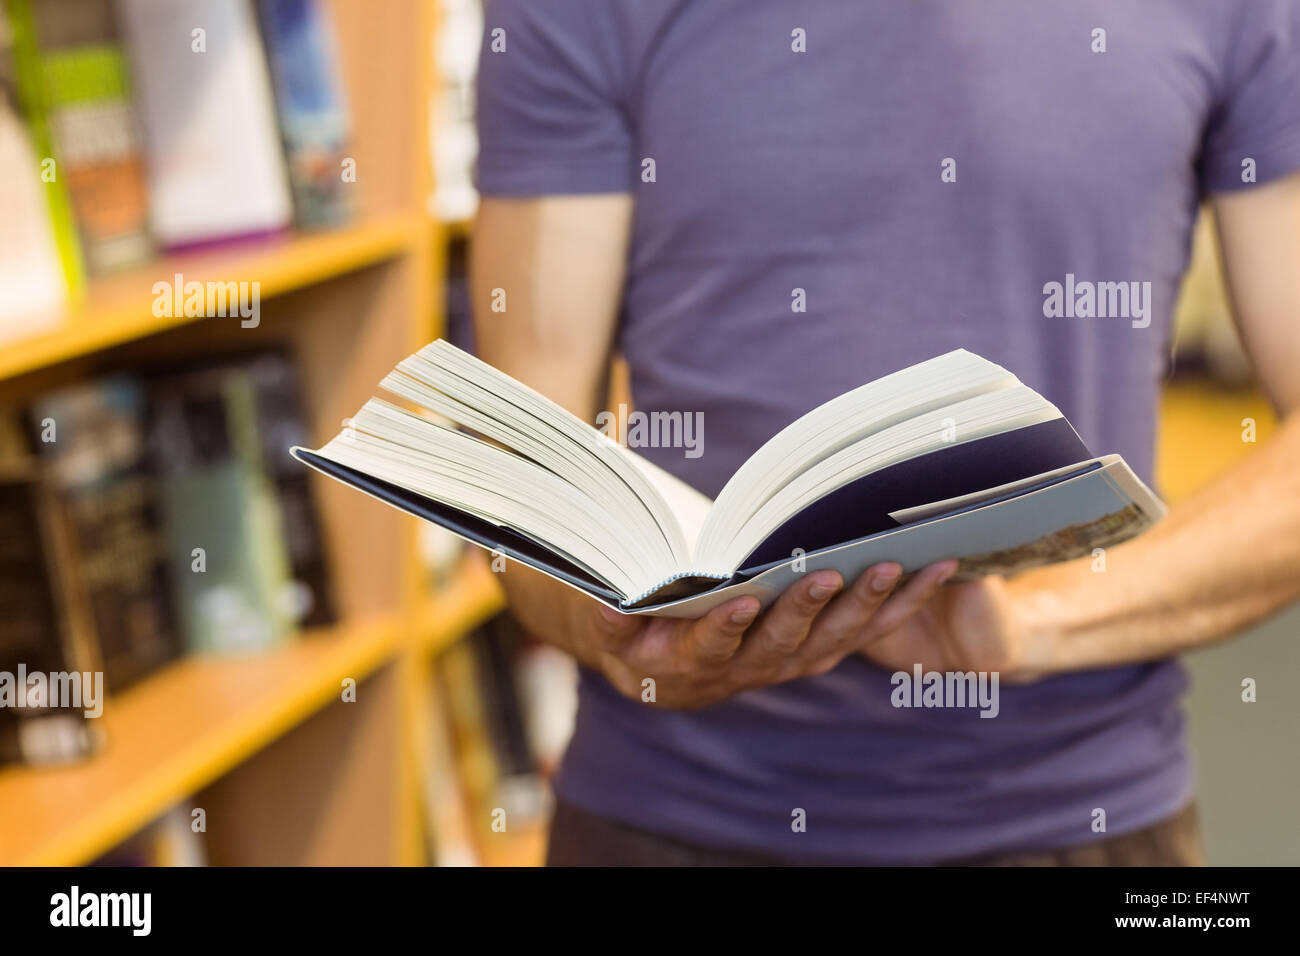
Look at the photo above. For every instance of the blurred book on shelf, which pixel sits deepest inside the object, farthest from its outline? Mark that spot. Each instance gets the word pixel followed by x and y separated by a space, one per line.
pixel 502 713
pixel 79 103
pixel 31 270
pixel 49 696
pixel 188 527
pixel 454 142
pixel 90 438
pixel 215 168
pixel 280 424
pixel 459 321
pixel 216 442
pixel 225 557
pixel 314 122
pixel 447 827
pixel 131 125
pixel 245 552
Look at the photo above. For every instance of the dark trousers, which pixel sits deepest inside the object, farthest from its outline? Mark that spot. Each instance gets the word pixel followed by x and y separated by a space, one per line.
pixel 579 838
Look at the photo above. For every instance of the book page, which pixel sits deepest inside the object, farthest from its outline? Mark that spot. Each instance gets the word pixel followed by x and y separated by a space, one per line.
pixel 688 506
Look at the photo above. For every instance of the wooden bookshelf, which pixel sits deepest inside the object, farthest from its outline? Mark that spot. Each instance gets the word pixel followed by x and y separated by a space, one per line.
pixel 439 622
pixel 175 734
pixel 1201 434
pixel 285 770
pixel 201 718
pixel 118 309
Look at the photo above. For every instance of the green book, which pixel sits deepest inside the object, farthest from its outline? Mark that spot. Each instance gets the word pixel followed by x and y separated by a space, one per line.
pixel 29 80
pixel 228 563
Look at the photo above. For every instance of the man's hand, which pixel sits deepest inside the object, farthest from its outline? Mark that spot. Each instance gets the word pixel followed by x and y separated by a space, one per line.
pixel 810 628
pixel 984 625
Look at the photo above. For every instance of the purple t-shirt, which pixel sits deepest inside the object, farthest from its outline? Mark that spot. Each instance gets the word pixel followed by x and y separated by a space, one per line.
pixel 921 171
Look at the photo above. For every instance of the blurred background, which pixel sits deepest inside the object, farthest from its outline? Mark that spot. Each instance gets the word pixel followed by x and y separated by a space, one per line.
pixel 223 221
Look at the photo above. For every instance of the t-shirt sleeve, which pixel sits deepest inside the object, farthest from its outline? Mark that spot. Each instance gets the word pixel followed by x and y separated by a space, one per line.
pixel 549 98
pixel 1258 113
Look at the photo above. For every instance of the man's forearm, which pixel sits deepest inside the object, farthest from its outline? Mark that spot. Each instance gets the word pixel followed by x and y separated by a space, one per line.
pixel 551 611
pixel 1221 561
pixel 546 281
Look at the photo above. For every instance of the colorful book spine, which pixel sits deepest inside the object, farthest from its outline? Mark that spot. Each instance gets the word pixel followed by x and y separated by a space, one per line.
pixel 281 425
pixel 43 627
pixel 29 83
pixel 31 272
pixel 86 99
pixel 227 564
pixel 314 121
pixel 91 440
pixel 215 169
pixel 93 130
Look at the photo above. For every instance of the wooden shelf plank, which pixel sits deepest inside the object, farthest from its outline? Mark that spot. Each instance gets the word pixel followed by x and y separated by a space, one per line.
pixel 119 308
pixel 193 722
pixel 174 734
pixel 443 620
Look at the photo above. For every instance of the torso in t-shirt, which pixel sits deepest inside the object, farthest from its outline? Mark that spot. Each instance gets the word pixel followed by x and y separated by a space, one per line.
pixel 826 193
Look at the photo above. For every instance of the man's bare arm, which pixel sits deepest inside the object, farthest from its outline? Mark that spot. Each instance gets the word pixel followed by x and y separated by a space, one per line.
pixel 1230 555
pixel 1219 562
pixel 546 277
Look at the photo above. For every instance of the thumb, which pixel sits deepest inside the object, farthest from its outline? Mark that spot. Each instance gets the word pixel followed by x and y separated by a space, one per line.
pixel 613 626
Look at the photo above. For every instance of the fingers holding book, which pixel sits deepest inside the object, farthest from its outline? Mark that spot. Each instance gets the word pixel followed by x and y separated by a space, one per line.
pixel 811 628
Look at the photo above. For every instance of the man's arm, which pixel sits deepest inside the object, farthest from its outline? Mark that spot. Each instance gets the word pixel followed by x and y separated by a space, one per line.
pixel 1221 561
pixel 1230 555
pixel 559 265
pixel 546 278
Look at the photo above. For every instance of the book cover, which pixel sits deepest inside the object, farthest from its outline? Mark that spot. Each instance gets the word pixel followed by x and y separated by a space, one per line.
pixel 215 171
pixel 93 130
pixel 31 272
pixel 91 440
pixel 29 85
pixel 281 423
pixel 227 565
pixel 45 626
pixel 314 121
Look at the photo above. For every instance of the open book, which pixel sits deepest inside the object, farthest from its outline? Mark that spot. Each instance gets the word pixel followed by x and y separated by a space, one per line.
pixel 950 458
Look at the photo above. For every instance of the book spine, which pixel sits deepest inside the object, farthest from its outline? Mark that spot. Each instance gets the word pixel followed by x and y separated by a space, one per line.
pixel 30 88
pixel 91 441
pixel 31 273
pixel 43 628
pixel 281 425
pixel 314 122
pixel 214 433
pixel 215 168
pixel 267 554
pixel 207 507
pixel 497 644
pixel 93 132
